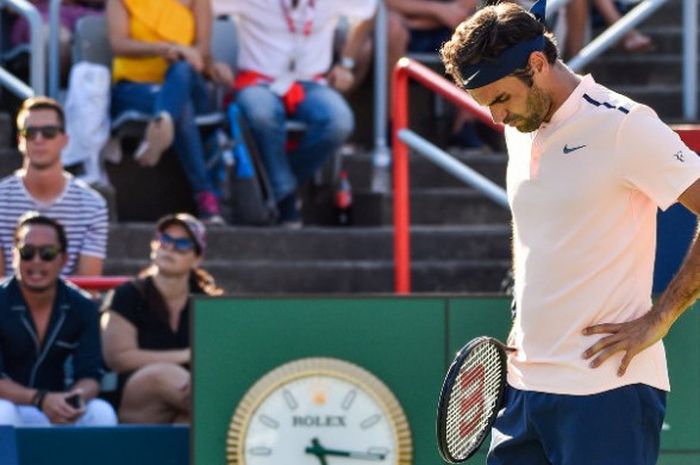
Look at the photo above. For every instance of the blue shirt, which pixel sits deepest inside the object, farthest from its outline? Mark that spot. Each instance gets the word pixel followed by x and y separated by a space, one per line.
pixel 73 330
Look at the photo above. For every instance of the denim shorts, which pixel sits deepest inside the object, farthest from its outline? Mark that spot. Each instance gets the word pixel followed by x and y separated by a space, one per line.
pixel 617 427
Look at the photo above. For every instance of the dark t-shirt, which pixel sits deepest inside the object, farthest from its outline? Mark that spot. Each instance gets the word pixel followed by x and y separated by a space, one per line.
pixel 140 302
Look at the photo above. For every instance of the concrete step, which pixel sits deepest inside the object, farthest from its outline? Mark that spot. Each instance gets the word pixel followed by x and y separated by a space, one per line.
pixel 434 206
pixel 338 276
pixel 333 260
pixel 424 173
pixel 10 160
pixel 668 14
pixel 5 130
pixel 238 244
pixel 639 70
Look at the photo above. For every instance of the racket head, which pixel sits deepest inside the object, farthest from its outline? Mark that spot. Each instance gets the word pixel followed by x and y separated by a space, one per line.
pixel 471 396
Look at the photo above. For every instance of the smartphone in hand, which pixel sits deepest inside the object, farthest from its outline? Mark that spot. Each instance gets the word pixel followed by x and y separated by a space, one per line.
pixel 75 401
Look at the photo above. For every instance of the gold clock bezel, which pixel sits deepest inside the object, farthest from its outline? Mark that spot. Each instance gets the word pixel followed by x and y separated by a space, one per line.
pixel 315 366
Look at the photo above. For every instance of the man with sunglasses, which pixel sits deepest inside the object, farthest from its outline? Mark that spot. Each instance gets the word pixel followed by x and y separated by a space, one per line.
pixel 43 185
pixel 43 321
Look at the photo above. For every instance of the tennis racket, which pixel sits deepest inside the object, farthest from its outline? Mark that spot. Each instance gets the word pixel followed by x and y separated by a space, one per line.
pixel 471 396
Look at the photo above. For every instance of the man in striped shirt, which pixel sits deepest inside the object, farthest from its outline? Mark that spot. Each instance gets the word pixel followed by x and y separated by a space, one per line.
pixel 42 185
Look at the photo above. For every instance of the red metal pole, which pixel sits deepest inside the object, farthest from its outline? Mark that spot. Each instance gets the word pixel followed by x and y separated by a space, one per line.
pixel 438 84
pixel 97 283
pixel 402 244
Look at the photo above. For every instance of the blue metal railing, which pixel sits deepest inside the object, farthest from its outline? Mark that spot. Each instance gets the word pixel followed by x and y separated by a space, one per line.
pixel 37 74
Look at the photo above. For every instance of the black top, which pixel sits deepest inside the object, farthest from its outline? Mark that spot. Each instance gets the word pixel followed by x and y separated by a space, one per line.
pixel 140 302
pixel 73 330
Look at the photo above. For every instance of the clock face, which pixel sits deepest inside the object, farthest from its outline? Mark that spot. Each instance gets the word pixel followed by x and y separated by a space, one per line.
pixel 319 411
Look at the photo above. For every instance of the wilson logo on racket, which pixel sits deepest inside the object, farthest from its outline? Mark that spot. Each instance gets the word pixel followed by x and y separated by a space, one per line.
pixel 472 407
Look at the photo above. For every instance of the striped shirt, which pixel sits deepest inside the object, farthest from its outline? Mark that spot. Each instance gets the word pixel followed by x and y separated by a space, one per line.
pixel 81 210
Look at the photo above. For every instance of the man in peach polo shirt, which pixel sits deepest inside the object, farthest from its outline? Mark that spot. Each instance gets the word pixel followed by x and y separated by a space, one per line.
pixel 587 170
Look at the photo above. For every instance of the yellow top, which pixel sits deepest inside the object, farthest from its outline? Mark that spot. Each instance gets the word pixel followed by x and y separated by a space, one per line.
pixel 153 21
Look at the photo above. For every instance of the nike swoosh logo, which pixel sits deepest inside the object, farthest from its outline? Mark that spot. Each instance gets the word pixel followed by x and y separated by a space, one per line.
pixel 566 148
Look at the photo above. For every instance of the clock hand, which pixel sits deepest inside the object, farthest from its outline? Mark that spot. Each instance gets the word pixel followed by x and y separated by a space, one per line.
pixel 318 450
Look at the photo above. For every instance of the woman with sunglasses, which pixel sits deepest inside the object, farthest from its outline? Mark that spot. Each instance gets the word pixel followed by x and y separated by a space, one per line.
pixel 146 325
pixel 161 58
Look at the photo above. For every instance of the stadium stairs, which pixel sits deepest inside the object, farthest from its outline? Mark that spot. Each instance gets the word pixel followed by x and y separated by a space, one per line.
pixel 460 240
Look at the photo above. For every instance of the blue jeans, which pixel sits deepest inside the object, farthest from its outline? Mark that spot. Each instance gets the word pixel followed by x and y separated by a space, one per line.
pixel 183 94
pixel 617 427
pixel 329 121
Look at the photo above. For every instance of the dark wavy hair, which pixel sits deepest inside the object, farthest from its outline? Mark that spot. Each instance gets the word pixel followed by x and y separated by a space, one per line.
pixel 36 218
pixel 491 30
pixel 200 281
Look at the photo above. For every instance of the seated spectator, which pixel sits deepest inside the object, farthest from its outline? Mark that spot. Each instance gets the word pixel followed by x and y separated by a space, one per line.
pixel 69 14
pixel 43 321
pixel 146 325
pixel 286 71
pixel 161 59
pixel 422 26
pixel 577 18
pixel 43 185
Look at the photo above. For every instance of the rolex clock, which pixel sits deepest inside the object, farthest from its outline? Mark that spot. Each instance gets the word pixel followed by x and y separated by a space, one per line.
pixel 319 411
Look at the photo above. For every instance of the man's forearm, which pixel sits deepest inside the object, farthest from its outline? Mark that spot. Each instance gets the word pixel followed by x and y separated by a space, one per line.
pixel 357 37
pixel 16 393
pixel 89 386
pixel 684 288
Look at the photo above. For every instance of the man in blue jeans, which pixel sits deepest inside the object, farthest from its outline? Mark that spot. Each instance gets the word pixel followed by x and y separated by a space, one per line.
pixel 286 71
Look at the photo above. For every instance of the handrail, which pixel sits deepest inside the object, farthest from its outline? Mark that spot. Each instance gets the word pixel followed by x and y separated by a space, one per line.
pixel 98 283
pixel 54 48
pixel 614 33
pixel 690 61
pixel 404 70
pixel 37 51
pixel 381 156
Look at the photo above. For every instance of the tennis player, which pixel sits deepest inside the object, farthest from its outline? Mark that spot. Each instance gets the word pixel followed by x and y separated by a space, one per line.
pixel 587 170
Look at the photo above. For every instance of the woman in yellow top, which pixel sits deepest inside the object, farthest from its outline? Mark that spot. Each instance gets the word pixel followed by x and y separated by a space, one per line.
pixel 162 56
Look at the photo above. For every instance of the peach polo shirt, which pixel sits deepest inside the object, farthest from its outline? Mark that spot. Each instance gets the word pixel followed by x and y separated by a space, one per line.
pixel 584 190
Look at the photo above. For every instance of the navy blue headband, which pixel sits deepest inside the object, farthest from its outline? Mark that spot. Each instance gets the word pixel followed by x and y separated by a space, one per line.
pixel 515 57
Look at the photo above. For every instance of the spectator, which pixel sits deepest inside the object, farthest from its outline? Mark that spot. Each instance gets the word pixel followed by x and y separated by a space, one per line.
pixel 577 17
pixel 162 54
pixel 286 71
pixel 44 186
pixel 43 321
pixel 69 14
pixel 146 325
pixel 422 26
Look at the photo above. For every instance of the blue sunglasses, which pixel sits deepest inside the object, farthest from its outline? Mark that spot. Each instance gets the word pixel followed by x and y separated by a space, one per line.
pixel 179 244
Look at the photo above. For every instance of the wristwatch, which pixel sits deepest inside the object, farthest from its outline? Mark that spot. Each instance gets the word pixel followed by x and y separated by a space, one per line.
pixel 347 62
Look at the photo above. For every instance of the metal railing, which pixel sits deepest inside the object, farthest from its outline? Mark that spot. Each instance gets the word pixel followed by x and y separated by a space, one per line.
pixel 98 283
pixel 37 52
pixel 404 70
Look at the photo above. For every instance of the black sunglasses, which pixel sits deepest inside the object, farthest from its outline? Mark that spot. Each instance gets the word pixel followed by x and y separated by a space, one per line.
pixel 47 253
pixel 47 132
pixel 179 244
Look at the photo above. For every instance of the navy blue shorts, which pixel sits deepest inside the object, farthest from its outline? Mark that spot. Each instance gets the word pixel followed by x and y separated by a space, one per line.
pixel 617 427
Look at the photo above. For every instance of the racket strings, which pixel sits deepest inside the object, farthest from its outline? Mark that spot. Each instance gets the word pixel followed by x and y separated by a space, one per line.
pixel 473 399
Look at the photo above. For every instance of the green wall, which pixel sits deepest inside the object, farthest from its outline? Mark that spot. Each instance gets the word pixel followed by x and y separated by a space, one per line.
pixel 407 342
